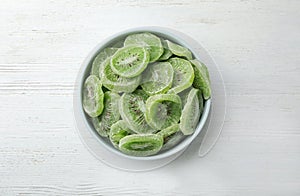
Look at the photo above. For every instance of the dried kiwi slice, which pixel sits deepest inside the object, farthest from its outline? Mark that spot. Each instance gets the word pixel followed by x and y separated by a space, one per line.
pixel 179 50
pixel 172 136
pixel 148 40
pixel 167 53
pixel 92 96
pixel 206 72
pixel 132 108
pixel 184 95
pixel 117 83
pixel 157 78
pixel 141 144
pixel 117 131
pixel 183 74
pixel 191 113
pixel 201 80
pixel 169 131
pixel 141 93
pixel 172 140
pixel 130 61
pixel 201 101
pixel 100 58
pixel 118 44
pixel 163 110
pixel 110 114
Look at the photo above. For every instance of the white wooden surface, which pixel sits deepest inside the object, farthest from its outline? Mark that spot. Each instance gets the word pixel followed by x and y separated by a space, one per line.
pixel 255 43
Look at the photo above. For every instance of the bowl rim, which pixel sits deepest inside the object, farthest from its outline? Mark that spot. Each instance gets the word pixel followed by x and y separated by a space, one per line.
pixel 86 65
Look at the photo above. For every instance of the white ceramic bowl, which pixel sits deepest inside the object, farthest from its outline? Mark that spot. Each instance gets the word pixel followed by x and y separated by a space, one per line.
pixel 85 70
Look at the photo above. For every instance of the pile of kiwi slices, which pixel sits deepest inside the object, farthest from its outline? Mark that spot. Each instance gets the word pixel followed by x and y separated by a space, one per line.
pixel 145 94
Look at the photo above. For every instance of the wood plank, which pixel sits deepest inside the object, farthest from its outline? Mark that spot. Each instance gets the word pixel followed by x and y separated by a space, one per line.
pixel 255 43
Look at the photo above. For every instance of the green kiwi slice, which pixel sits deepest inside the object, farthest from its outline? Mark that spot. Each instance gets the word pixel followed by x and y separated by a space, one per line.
pixel 142 93
pixel 163 110
pixel 169 131
pixel 100 58
pixel 132 109
pixel 141 144
pixel 130 61
pixel 179 50
pixel 206 72
pixel 118 44
pixel 201 101
pixel 92 96
pixel 172 136
pixel 183 75
pixel 191 113
pixel 184 95
pixel 115 82
pixel 167 53
pixel 110 114
pixel 202 80
pixel 117 131
pixel 172 140
pixel 157 78
pixel 151 42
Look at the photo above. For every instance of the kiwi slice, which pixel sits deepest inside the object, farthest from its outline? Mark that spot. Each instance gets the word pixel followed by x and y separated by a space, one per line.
pixel 191 113
pixel 202 80
pixel 183 95
pixel 201 101
pixel 151 42
pixel 117 83
pixel 118 44
pixel 92 96
pixel 163 110
pixel 157 78
pixel 169 131
pixel 183 75
pixel 117 131
pixel 141 144
pixel 130 61
pixel 142 93
pixel 206 72
pixel 100 58
pixel 110 114
pixel 172 136
pixel 167 53
pixel 132 108
pixel 179 50
pixel 173 140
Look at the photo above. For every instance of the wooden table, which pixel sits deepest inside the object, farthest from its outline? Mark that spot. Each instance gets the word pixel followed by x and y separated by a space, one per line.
pixel 255 43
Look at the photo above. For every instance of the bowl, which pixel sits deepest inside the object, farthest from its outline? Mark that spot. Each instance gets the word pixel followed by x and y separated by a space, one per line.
pixel 166 33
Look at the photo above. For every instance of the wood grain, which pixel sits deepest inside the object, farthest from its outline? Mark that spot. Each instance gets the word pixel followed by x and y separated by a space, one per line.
pixel 255 43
